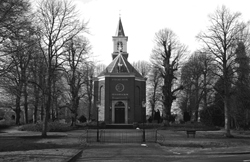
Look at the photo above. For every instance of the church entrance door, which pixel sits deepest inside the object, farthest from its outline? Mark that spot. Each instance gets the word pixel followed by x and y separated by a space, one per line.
pixel 119 112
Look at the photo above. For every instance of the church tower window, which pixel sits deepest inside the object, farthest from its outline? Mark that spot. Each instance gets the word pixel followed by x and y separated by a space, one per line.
pixel 119 46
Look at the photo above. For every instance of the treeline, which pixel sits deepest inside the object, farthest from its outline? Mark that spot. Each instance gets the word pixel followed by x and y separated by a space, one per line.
pixel 212 84
pixel 45 59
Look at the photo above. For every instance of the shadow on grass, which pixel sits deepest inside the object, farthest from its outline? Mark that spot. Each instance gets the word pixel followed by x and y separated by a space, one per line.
pixel 40 137
pixel 3 127
pixel 25 143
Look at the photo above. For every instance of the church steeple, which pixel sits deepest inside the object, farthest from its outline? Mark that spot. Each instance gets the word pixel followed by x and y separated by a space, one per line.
pixel 120 42
pixel 119 30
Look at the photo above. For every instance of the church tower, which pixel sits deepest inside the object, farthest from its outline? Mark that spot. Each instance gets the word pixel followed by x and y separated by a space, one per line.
pixel 120 41
pixel 119 90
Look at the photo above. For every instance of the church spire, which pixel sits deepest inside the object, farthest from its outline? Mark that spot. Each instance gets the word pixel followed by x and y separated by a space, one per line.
pixel 120 31
pixel 120 41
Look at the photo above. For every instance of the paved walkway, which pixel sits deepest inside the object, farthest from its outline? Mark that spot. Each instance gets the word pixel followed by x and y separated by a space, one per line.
pixel 154 152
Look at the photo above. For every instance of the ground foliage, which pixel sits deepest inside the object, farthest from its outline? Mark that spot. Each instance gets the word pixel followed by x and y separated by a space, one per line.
pixel 52 127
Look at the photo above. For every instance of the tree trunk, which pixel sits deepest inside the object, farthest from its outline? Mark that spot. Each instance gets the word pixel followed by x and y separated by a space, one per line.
pixel 46 115
pixel 196 99
pixel 45 122
pixel 227 115
pixel 196 115
pixel 36 93
pixel 42 111
pixel 73 119
pixel 35 114
pixel 26 113
pixel 247 122
pixel 48 104
pixel 227 120
pixel 52 111
pixel 226 96
pixel 205 91
pixel 56 110
pixel 90 105
pixel 153 110
pixel 167 89
pixel 75 104
pixel 53 105
pixel 18 110
pixel 167 105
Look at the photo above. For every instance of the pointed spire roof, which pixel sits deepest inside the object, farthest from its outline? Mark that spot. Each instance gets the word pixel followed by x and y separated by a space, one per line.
pixel 119 30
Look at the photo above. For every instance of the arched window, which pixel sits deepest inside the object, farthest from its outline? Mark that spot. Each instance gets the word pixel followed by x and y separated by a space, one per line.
pixel 101 98
pixel 119 46
pixel 137 96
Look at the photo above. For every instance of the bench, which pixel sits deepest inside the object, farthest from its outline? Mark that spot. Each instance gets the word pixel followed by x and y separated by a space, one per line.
pixel 191 132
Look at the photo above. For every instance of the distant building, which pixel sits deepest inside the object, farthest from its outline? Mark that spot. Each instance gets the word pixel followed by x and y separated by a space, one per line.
pixel 120 90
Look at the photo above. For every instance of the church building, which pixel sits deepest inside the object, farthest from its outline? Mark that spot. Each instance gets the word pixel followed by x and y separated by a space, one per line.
pixel 119 90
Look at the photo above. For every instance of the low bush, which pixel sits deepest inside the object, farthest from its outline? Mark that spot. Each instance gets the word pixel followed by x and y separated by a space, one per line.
pixel 192 125
pixel 93 125
pixel 4 123
pixel 3 126
pixel 52 127
pixel 59 127
pixel 82 119
pixel 148 125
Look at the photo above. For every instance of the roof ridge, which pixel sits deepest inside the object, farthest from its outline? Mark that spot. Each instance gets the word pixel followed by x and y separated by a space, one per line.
pixel 114 61
pixel 125 64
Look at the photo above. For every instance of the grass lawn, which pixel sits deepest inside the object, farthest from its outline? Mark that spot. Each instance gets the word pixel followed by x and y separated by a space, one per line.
pixel 203 139
pixel 24 140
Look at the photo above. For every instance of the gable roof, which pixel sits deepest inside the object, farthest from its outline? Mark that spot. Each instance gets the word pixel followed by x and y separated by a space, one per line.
pixel 120 66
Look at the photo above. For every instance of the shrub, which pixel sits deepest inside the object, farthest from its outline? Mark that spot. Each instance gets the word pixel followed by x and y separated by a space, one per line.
pixel 213 116
pixel 92 125
pixel 4 126
pixel 52 127
pixel 192 125
pixel 147 125
pixel 151 125
pixel 102 124
pixel 135 124
pixel 31 127
pixel 4 123
pixel 59 127
pixel 82 119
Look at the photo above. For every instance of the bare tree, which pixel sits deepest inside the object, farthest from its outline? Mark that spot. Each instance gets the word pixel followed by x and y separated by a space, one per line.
pixel 99 68
pixel 14 44
pixel 154 83
pixel 59 24
pixel 37 69
pixel 12 12
pixel 142 67
pixel 89 85
pixel 221 39
pixel 17 51
pixel 76 56
pixel 196 77
pixel 192 80
pixel 17 76
pixel 37 74
pixel 166 57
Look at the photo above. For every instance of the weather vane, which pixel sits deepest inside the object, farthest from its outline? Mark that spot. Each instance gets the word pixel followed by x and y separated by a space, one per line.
pixel 119 13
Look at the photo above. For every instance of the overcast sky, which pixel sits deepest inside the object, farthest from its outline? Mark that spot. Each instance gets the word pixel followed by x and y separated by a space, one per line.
pixel 143 18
